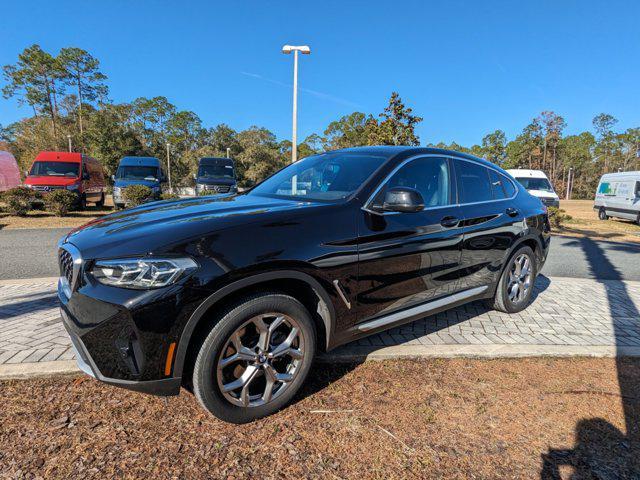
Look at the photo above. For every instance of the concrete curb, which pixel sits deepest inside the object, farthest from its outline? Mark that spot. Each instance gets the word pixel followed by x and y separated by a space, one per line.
pixel 361 354
pixel 36 370
pixel 28 281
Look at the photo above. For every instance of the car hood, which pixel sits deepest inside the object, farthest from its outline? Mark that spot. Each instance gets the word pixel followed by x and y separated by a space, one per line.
pixel 122 183
pixel 543 194
pixel 51 180
pixel 215 181
pixel 157 226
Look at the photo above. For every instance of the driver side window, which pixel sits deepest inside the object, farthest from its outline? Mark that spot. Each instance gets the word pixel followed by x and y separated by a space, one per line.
pixel 428 175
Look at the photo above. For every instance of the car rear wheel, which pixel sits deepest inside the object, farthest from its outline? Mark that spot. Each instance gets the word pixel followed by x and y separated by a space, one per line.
pixel 100 203
pixel 255 359
pixel 515 287
pixel 602 214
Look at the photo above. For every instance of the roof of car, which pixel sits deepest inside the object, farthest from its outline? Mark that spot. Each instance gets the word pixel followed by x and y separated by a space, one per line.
pixel 622 174
pixel 72 157
pixel 147 161
pixel 393 150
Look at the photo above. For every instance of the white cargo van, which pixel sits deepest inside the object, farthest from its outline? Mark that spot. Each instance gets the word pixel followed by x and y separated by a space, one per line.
pixel 618 195
pixel 537 184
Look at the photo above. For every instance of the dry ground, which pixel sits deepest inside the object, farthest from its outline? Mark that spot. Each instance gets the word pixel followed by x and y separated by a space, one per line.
pixel 42 219
pixel 529 418
pixel 585 223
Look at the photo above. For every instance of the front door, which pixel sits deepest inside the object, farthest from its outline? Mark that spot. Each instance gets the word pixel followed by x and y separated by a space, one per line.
pixel 409 258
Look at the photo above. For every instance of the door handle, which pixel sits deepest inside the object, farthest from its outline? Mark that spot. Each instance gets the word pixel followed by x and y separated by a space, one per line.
pixel 449 222
pixel 512 212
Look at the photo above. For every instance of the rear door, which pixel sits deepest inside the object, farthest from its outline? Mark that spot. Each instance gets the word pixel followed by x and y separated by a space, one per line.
pixel 409 258
pixel 491 221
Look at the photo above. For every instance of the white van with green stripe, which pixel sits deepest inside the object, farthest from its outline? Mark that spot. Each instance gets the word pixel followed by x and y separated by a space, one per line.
pixel 618 195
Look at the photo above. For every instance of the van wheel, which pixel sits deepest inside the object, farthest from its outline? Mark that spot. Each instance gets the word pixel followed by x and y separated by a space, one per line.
pixel 100 203
pixel 256 358
pixel 82 204
pixel 602 214
pixel 515 287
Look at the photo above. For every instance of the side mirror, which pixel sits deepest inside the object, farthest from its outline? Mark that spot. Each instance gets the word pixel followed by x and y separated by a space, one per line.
pixel 195 177
pixel 86 176
pixel 113 178
pixel 403 199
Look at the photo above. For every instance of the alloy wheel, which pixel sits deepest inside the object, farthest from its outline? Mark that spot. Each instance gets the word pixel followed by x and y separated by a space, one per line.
pixel 520 276
pixel 260 360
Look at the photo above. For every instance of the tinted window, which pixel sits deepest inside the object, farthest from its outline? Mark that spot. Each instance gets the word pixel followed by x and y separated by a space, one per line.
pixel 475 185
pixel 531 183
pixel 509 187
pixel 136 172
pixel 54 169
pixel 430 176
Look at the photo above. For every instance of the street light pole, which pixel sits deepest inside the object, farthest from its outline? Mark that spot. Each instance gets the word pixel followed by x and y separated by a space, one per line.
pixel 169 168
pixel 228 152
pixel 69 140
pixel 305 50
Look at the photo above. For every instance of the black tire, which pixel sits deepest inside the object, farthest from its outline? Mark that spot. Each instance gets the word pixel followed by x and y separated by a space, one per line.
pixel 207 377
pixel 501 301
pixel 100 203
pixel 602 214
pixel 82 204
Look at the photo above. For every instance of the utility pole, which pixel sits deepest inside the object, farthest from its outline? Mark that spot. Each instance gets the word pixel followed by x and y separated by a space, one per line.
pixel 228 152
pixel 169 167
pixel 305 50
pixel 69 140
pixel 569 184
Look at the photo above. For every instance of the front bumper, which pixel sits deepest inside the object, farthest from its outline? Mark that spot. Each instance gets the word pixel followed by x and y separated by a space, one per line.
pixel 123 337
pixel 163 387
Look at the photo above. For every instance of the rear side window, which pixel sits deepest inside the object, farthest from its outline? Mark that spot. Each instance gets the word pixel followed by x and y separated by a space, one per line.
pixel 501 185
pixel 475 185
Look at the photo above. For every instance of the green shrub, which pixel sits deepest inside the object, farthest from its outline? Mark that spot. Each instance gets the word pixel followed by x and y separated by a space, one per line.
pixel 169 196
pixel 557 217
pixel 59 202
pixel 136 195
pixel 18 201
pixel 204 193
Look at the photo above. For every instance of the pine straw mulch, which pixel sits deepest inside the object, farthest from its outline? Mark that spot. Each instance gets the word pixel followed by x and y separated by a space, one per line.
pixel 394 419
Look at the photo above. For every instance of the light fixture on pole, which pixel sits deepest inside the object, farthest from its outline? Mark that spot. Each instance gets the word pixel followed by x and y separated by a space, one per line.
pixel 305 50
pixel 169 168
pixel 69 140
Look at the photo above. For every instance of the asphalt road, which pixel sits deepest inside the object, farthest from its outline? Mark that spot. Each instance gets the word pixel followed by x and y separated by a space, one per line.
pixel 32 253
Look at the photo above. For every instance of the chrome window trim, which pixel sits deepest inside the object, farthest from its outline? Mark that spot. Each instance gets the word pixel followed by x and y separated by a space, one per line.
pixel 369 201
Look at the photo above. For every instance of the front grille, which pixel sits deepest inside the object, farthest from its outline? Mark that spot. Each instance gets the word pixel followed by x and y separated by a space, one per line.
pixel 47 188
pixel 66 265
pixel 218 188
pixel 549 201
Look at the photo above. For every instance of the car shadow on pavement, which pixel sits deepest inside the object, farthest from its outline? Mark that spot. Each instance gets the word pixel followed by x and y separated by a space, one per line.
pixel 15 309
pixel 321 377
pixel 603 451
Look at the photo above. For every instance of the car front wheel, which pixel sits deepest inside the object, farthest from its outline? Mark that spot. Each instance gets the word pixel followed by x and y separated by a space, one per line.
pixel 255 358
pixel 516 283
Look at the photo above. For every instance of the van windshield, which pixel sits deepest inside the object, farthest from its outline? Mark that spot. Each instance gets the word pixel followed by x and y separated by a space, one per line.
pixel 55 169
pixel 136 172
pixel 535 184
pixel 215 171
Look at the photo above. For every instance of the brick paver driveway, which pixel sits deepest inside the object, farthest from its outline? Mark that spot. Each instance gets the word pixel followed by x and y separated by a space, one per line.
pixel 565 312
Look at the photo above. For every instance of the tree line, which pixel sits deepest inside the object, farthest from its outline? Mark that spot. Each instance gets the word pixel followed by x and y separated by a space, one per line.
pixel 69 99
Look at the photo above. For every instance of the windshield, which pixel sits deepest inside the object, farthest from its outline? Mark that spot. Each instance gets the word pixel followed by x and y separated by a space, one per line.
pixel 215 171
pixel 535 184
pixel 136 172
pixel 332 176
pixel 55 169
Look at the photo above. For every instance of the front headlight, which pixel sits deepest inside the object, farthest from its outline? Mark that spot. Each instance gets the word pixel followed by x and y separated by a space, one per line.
pixel 142 273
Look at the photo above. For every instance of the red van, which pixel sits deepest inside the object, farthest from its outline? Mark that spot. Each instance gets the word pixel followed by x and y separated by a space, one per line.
pixel 76 172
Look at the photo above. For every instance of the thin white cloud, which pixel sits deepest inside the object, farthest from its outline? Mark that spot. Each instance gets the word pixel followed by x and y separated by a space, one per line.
pixel 315 93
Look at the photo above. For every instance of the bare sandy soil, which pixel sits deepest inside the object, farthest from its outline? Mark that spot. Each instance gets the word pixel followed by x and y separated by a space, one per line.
pixel 585 223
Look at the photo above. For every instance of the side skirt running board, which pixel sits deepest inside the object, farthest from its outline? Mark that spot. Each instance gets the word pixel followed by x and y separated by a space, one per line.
pixel 420 309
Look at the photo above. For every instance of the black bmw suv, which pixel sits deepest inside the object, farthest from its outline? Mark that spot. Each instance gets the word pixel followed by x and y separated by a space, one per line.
pixel 232 296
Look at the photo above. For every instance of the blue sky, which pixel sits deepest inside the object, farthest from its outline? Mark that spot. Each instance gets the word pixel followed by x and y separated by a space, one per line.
pixel 467 67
